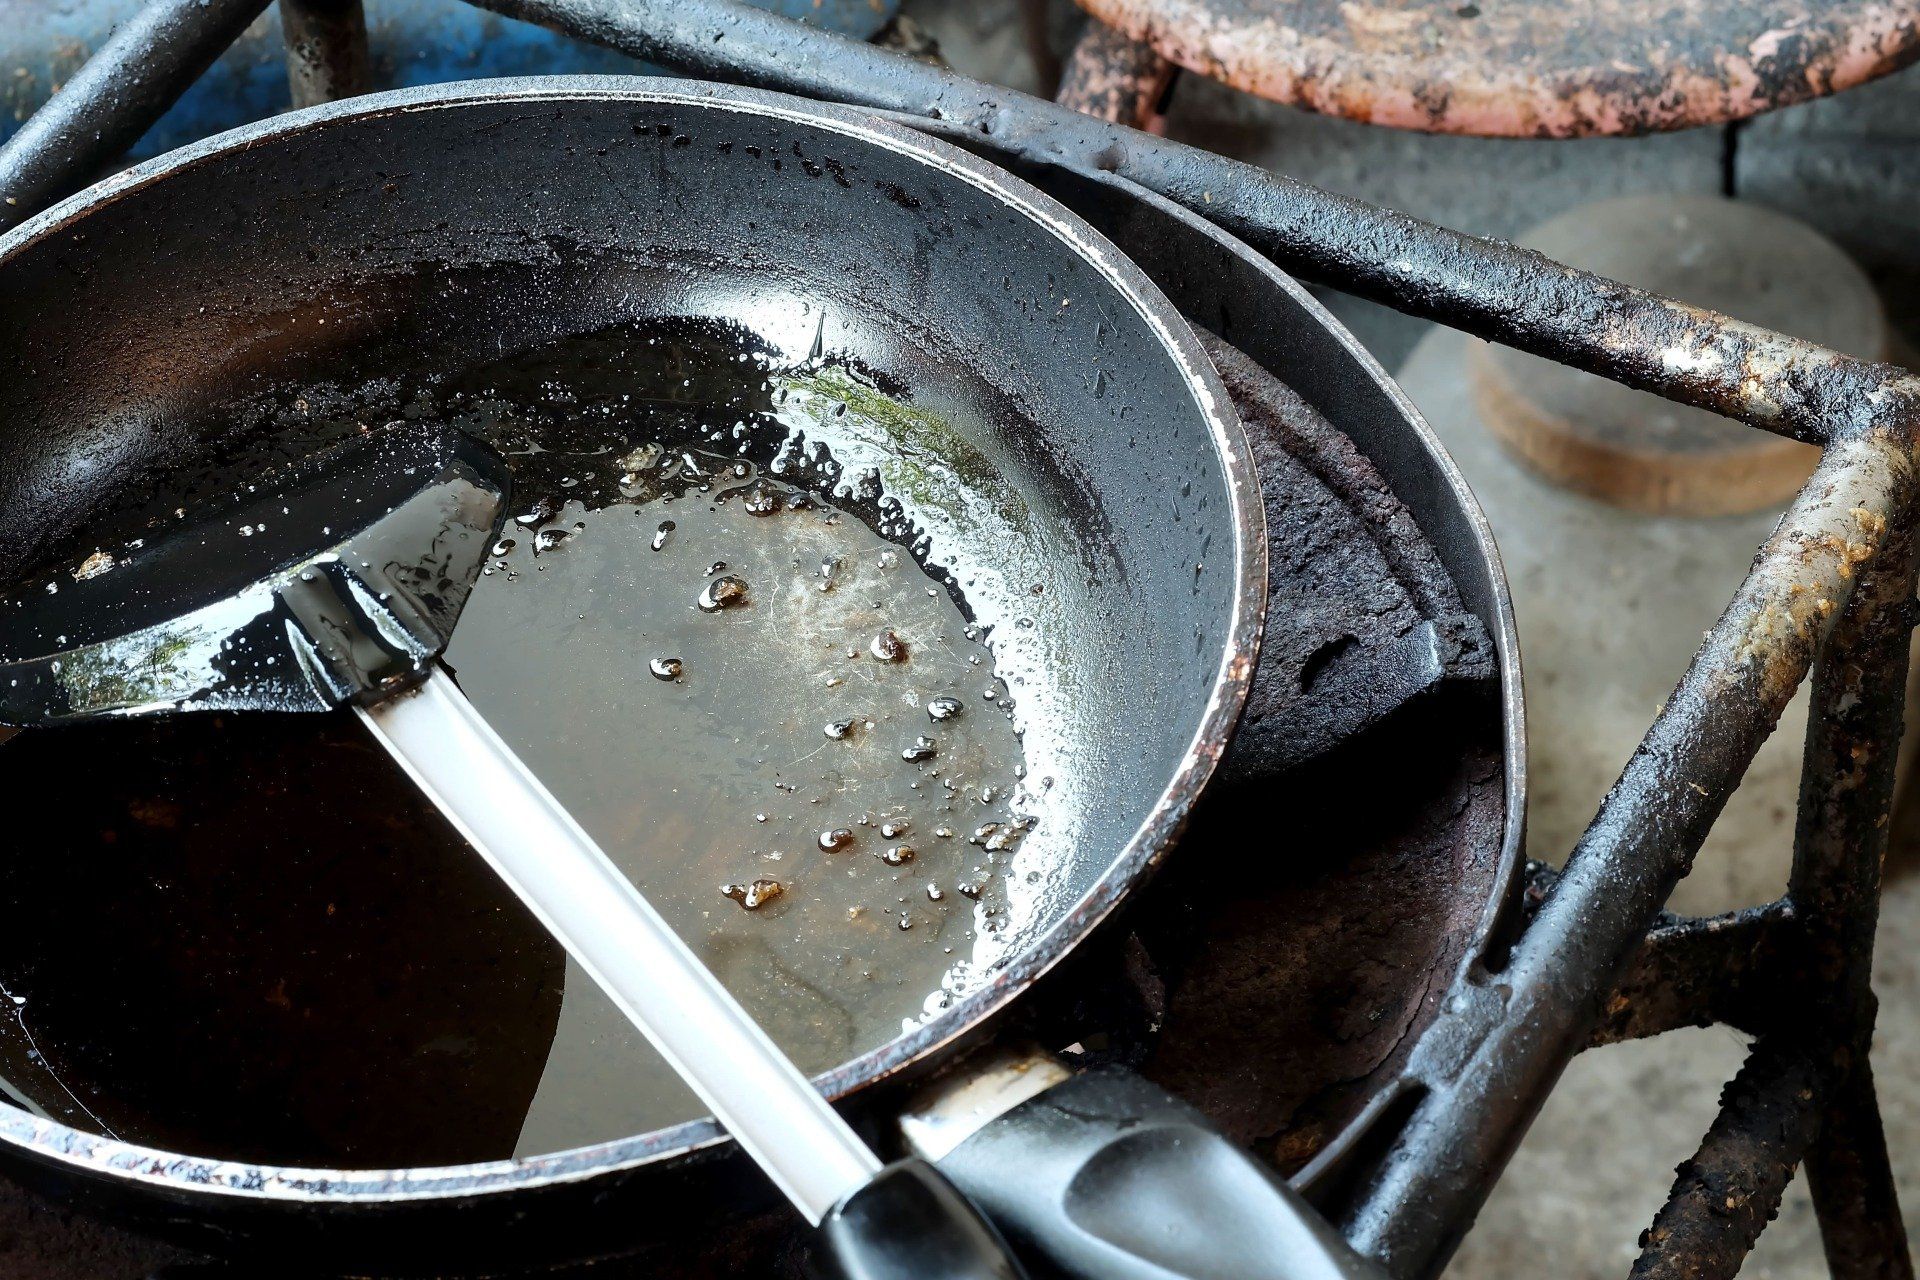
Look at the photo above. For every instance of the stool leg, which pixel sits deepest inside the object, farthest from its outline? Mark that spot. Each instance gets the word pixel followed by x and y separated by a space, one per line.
pixel 1116 78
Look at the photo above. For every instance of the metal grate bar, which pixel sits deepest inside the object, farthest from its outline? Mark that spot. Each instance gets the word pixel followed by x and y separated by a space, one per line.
pixel 1852 1185
pixel 1487 287
pixel 327 55
pixel 1726 1194
pixel 113 99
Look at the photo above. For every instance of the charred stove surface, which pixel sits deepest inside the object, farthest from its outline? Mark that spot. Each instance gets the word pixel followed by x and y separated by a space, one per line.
pixel 1361 617
pixel 1327 892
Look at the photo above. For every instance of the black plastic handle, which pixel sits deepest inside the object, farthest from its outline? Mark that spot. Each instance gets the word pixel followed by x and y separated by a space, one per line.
pixel 910 1223
pixel 1107 1177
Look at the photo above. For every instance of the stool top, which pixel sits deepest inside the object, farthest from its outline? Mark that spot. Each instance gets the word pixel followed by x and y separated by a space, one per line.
pixel 1640 452
pixel 1529 68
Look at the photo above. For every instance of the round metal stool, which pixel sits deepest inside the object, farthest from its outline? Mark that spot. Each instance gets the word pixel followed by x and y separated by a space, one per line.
pixel 1498 68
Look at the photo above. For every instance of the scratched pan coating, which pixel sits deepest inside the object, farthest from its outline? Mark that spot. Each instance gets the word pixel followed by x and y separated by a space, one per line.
pixel 134 312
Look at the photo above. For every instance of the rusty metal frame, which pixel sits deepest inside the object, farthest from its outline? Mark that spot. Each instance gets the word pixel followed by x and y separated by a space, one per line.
pixel 1594 959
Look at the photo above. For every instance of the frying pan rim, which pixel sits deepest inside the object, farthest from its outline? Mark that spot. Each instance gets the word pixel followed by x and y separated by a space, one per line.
pixel 52 1141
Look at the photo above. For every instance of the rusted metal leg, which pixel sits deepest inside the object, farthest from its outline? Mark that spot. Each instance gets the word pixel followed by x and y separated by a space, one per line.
pixel 326 49
pixel 1853 1192
pixel 1846 786
pixel 1853 737
pixel 1113 77
pixel 1730 1190
pixel 1813 1063
pixel 1503 1040
pixel 127 84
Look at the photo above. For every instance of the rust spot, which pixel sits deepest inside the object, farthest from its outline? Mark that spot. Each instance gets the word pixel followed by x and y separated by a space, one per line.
pixel 148 812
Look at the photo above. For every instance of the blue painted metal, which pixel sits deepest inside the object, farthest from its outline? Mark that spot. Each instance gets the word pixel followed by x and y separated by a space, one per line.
pixel 412 42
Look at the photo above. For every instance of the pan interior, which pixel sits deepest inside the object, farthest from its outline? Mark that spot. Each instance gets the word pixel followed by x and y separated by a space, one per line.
pixel 777 721
pixel 887 336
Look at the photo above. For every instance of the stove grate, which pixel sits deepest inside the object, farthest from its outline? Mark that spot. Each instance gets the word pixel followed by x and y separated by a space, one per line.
pixel 1590 957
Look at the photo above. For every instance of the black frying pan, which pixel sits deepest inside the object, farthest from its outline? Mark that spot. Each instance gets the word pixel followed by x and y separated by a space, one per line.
pixel 160 319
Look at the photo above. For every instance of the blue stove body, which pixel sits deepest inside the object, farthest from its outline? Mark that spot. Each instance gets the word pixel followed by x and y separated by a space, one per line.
pixel 42 42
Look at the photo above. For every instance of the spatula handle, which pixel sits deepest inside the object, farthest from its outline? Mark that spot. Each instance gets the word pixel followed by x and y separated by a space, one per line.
pixel 604 923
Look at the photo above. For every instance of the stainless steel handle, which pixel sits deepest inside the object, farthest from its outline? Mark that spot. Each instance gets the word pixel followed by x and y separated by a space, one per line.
pixel 595 912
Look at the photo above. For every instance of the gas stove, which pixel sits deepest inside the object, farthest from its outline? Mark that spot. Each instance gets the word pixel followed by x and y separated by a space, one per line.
pixel 1380 1023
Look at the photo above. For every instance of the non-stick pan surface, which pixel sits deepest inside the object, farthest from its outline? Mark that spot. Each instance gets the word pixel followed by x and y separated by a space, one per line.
pixel 170 314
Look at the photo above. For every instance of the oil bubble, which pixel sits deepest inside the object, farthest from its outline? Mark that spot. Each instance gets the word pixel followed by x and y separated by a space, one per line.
pixel 723 593
pixel 755 894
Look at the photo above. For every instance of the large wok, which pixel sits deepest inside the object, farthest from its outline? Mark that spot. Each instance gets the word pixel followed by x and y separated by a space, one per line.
pixel 146 321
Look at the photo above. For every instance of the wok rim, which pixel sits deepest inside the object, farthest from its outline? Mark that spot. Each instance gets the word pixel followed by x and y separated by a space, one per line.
pixel 79 1151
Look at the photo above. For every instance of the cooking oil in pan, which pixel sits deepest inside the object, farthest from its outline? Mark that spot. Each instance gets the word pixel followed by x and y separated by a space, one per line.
pixel 745 694
pixel 245 937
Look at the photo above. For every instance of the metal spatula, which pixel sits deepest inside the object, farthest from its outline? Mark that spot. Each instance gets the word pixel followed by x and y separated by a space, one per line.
pixel 336 582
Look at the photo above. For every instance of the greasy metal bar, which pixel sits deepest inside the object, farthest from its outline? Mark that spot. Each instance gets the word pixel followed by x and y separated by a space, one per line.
pixel 1852 1185
pixel 326 50
pixel 1846 784
pixel 1726 1194
pixel 124 87
pixel 1490 288
pixel 1691 971
pixel 1502 1040
pixel 1847 781
pixel 1696 972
